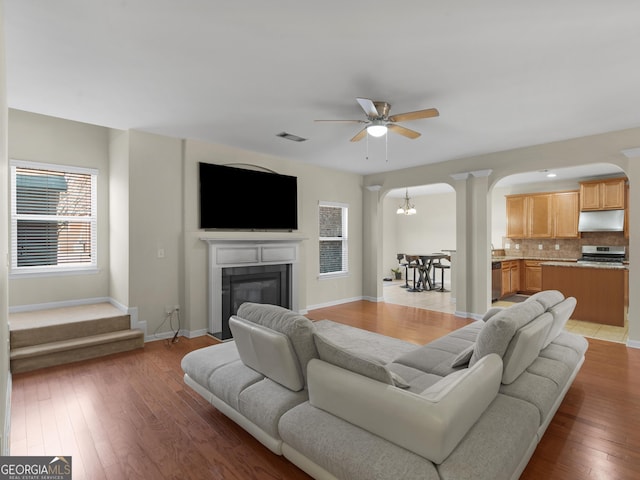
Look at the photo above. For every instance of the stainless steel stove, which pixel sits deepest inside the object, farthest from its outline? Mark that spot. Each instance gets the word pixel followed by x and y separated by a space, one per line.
pixel 613 255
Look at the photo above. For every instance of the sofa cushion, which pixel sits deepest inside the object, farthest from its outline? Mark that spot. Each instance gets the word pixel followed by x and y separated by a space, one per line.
pixel 430 424
pixel 268 352
pixel 561 312
pixel 525 347
pixel 299 329
pixel 360 364
pixel 498 331
pixel 546 298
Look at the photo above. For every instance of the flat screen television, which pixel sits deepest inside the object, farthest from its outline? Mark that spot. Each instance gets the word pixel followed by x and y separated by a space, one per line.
pixel 234 198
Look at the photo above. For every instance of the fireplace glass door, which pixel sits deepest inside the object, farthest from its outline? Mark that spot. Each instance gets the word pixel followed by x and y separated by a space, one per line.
pixel 258 284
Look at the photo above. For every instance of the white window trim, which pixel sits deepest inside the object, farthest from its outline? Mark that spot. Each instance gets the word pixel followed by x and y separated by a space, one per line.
pixel 344 239
pixel 53 270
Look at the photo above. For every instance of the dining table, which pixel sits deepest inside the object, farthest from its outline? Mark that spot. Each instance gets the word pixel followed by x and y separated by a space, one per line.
pixel 423 265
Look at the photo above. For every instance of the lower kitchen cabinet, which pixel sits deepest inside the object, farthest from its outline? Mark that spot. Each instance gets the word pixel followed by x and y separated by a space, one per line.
pixel 510 277
pixel 532 276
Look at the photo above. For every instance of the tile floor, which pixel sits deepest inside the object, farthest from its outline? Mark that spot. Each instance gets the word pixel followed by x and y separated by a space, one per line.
pixel 441 302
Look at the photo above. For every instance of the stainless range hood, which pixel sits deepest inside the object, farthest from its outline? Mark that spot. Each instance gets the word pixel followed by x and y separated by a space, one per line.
pixel 601 221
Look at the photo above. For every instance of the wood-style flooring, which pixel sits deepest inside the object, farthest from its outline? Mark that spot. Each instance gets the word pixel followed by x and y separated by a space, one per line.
pixel 130 416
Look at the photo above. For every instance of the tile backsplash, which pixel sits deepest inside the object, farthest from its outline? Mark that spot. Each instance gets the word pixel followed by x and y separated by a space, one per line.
pixel 569 248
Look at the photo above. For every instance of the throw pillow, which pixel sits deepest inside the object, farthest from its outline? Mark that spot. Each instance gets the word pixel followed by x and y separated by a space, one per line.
pixel 463 357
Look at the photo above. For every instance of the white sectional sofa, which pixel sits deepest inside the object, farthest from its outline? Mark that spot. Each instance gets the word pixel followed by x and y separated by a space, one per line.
pixel 343 403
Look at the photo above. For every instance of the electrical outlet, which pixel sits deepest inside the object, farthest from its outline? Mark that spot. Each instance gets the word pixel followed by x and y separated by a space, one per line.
pixel 161 253
pixel 168 310
pixel 517 246
pixel 539 246
pixel 557 246
pixel 507 245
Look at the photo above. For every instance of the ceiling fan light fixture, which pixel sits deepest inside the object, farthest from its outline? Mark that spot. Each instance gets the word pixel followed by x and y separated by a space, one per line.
pixel 377 129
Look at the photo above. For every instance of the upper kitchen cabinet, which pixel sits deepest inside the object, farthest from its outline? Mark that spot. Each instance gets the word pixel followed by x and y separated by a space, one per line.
pixel 543 215
pixel 539 209
pixel 606 194
pixel 565 214
pixel 516 227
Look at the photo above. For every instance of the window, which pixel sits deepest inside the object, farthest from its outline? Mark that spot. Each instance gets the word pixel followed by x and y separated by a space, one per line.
pixel 53 218
pixel 333 238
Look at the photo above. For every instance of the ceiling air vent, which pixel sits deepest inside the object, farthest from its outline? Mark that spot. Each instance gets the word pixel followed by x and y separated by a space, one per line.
pixel 290 136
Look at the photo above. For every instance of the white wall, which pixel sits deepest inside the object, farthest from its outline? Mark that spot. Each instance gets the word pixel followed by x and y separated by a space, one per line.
pixel 45 139
pixel 119 216
pixel 155 228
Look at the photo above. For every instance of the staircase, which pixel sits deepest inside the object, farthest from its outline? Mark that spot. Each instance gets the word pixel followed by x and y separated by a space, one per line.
pixel 44 338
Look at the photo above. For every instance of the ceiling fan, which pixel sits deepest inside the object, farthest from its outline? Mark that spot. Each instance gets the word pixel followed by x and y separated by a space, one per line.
pixel 378 120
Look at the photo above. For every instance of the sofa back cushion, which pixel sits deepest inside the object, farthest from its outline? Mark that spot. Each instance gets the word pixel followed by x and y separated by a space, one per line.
pixel 297 328
pixel 561 312
pixel 268 352
pixel 430 424
pixel 525 347
pixel 547 298
pixel 499 330
pixel 338 356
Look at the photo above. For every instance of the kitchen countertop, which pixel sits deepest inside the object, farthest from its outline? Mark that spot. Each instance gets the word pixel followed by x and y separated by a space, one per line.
pixel 506 258
pixel 562 262
pixel 602 265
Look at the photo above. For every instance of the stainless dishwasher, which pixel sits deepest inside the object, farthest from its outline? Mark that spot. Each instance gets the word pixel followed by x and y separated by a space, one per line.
pixel 496 280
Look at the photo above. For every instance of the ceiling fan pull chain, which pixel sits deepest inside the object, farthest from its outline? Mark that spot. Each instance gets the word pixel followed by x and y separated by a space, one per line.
pixel 386 148
pixel 367 154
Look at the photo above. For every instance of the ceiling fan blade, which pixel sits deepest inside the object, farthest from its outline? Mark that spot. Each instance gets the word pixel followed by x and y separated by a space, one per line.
pixel 342 121
pixel 404 131
pixel 403 117
pixel 360 135
pixel 368 107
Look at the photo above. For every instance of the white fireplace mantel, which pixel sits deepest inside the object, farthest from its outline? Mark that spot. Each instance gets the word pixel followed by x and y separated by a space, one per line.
pixel 235 249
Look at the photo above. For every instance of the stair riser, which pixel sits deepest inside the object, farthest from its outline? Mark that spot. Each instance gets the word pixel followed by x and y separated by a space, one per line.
pixel 75 355
pixel 55 333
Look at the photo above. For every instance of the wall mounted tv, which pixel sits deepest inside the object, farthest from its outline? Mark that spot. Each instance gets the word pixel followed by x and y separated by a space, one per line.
pixel 234 198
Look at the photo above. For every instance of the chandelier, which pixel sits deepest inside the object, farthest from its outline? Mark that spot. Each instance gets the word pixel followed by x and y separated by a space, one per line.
pixel 407 208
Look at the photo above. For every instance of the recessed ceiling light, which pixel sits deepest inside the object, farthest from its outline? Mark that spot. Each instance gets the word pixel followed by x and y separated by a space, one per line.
pixel 290 136
pixel 551 175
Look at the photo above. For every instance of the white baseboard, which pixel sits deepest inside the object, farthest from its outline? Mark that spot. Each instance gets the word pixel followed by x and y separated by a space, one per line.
pixel 633 343
pixel 334 303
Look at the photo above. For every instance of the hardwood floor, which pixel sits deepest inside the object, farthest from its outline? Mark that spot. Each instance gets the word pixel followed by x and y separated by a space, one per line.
pixel 130 416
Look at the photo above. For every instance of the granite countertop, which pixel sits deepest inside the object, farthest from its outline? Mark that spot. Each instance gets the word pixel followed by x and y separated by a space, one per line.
pixel 601 265
pixel 563 262
pixel 506 258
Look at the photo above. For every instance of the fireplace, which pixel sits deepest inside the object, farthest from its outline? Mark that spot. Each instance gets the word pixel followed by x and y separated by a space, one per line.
pixel 248 270
pixel 258 284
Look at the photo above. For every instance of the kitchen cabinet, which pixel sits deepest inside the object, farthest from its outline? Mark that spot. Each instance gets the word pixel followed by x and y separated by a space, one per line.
pixel 516 216
pixel 532 276
pixel 566 214
pixel 543 215
pixel 539 211
pixel 510 277
pixel 606 194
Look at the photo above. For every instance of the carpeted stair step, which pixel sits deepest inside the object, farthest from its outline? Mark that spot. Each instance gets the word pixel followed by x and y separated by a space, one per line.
pixel 66 323
pixel 32 357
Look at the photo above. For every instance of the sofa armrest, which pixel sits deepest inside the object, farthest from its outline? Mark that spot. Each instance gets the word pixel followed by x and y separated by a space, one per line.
pixel 430 424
